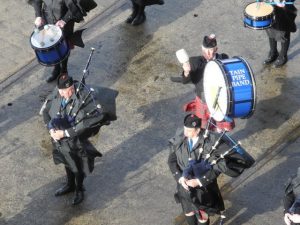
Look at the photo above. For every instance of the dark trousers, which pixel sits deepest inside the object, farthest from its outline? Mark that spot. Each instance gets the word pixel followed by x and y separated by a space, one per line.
pixel 75 179
pixel 285 43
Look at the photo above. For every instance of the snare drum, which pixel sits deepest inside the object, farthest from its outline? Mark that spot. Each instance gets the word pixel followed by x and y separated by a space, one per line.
pixel 229 88
pixel 49 45
pixel 258 16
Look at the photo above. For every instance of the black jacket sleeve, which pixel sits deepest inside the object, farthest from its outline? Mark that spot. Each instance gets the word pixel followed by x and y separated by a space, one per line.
pixel 37 5
pixel 46 115
pixel 172 162
pixel 285 18
pixel 288 201
pixel 209 177
pixel 74 13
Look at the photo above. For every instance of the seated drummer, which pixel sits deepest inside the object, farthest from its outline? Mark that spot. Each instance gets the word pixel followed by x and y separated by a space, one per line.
pixel 193 72
pixel 280 31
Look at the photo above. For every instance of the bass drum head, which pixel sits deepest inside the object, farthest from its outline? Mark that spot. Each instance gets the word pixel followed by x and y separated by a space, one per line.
pixel 46 38
pixel 214 82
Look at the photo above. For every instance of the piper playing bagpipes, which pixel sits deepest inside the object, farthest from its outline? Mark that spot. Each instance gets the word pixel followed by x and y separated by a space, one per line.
pixel 197 157
pixel 72 114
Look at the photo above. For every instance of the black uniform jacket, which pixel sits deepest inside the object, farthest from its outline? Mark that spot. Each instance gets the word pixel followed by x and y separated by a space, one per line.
pixel 198 64
pixel 82 120
pixel 285 18
pixel 208 196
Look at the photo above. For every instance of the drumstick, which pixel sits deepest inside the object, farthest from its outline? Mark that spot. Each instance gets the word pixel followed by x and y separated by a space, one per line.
pixel 257 5
pixel 42 43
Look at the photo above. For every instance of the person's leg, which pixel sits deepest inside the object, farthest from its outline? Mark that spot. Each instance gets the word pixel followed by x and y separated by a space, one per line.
pixel 140 17
pixel 64 66
pixel 273 53
pixel 79 177
pixel 55 73
pixel 282 58
pixel 69 186
pixel 191 219
pixel 79 191
pixel 133 13
pixel 154 2
pixel 202 217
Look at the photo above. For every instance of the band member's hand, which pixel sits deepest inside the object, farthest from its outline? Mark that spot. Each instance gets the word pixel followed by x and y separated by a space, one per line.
pixel 182 181
pixel 280 3
pixel 57 134
pixel 192 183
pixel 186 69
pixel 295 218
pixel 38 21
pixel 60 23
pixel 287 219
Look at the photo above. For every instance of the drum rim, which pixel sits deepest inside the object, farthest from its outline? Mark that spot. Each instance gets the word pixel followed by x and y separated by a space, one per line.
pixel 254 88
pixel 258 28
pixel 228 87
pixel 59 40
pixel 261 18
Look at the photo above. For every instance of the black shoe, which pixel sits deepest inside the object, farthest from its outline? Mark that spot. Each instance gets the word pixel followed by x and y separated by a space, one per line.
pixel 139 19
pixel 130 18
pixel 271 58
pixel 55 73
pixel 154 2
pixel 64 190
pixel 280 62
pixel 79 196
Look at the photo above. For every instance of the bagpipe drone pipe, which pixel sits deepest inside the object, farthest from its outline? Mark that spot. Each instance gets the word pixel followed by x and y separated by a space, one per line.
pixel 93 107
pixel 226 153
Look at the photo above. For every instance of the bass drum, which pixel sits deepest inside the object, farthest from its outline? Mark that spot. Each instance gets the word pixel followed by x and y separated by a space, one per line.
pixel 229 88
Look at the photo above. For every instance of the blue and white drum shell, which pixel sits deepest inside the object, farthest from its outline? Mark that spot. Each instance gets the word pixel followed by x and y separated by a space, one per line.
pixel 229 88
pixel 258 15
pixel 49 45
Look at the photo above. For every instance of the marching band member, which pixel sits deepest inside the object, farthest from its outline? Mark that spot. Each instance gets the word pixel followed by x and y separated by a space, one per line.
pixel 69 121
pixel 196 160
pixel 193 72
pixel 280 31
pixel 199 195
pixel 138 16
pixel 64 14
pixel 292 200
